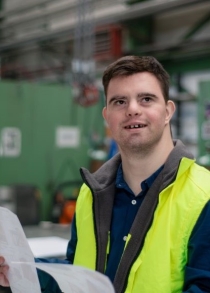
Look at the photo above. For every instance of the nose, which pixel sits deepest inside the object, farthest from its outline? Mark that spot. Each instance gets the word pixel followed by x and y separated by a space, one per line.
pixel 133 109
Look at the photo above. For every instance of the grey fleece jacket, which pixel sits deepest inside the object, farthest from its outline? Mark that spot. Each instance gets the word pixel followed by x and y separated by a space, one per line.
pixel 102 185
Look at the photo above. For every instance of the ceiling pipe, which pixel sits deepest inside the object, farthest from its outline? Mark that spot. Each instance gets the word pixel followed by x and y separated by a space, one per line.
pixel 24 8
pixel 72 6
pixel 156 6
pixel 135 11
pixel 42 15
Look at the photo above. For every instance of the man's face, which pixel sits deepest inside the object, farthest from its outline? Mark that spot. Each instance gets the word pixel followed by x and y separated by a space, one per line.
pixel 136 111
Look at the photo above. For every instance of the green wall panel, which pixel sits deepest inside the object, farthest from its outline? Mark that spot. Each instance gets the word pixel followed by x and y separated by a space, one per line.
pixel 204 119
pixel 37 110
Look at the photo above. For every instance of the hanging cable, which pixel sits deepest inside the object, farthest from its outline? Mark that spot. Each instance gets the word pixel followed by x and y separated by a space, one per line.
pixel 85 92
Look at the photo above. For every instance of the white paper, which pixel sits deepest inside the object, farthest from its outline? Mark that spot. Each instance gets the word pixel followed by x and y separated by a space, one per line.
pixel 22 273
pixel 14 247
pixel 76 279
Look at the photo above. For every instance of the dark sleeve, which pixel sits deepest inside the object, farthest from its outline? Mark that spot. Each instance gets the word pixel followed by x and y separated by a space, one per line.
pixel 47 282
pixel 197 272
pixel 71 248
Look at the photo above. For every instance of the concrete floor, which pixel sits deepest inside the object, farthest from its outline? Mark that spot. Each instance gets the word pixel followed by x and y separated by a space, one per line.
pixel 45 229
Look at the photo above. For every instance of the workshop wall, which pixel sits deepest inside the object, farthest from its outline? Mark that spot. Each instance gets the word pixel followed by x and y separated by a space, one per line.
pixel 45 137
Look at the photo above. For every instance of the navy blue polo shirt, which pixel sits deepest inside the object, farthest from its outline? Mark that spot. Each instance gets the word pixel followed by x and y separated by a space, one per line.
pixel 126 205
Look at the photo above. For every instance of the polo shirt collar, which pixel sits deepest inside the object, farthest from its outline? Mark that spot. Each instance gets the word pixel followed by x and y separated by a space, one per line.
pixel 145 185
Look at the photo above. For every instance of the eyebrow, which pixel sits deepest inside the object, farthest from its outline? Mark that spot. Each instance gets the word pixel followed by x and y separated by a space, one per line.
pixel 116 98
pixel 146 94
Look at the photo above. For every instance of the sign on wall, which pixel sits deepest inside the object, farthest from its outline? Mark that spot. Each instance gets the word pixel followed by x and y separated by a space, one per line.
pixel 10 142
pixel 67 137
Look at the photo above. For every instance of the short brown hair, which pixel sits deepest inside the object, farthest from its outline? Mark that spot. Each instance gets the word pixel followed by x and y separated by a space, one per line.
pixel 129 65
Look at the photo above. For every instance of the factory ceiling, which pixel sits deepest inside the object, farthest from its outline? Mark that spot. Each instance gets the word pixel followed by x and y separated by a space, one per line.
pixel 46 20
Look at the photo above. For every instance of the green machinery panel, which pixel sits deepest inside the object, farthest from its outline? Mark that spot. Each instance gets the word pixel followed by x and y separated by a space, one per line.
pixel 45 136
pixel 204 123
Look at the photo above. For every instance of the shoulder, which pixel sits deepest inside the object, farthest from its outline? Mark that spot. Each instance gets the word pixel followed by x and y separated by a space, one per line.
pixel 200 176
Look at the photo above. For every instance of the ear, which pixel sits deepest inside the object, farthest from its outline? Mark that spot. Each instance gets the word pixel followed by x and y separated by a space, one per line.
pixel 104 113
pixel 170 109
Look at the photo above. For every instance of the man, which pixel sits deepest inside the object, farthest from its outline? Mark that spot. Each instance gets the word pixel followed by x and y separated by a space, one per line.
pixel 143 218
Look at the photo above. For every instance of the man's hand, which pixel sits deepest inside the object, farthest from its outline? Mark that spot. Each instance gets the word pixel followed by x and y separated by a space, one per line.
pixel 3 272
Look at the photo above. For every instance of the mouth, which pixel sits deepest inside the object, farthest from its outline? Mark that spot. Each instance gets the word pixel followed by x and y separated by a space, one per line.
pixel 135 126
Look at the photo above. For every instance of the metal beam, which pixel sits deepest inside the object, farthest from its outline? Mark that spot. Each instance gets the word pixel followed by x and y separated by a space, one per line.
pixel 153 7
pixel 135 11
pixel 24 8
pixel 183 51
pixel 42 15
pixel 184 65
pixel 71 7
pixel 198 25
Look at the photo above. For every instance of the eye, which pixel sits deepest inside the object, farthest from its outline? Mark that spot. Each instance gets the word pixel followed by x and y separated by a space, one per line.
pixel 119 102
pixel 147 99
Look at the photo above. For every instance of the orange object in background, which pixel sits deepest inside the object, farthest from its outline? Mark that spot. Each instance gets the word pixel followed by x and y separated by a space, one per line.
pixel 64 204
pixel 67 213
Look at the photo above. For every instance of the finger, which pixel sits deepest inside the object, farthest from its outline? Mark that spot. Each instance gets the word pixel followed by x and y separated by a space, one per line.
pixel 2 260
pixel 4 269
pixel 4 281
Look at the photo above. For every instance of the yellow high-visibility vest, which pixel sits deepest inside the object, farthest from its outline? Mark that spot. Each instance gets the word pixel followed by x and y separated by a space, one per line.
pixel 161 263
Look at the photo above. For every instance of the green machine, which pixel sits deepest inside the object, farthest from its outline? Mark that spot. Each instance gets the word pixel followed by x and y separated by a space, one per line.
pixel 45 137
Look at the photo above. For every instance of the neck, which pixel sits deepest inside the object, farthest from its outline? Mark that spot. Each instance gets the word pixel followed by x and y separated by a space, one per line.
pixel 138 167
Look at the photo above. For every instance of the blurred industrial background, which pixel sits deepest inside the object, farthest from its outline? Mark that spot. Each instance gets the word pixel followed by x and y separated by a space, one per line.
pixel 52 55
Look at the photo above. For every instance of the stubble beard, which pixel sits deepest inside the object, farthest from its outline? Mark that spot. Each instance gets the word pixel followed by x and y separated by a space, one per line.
pixel 138 146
